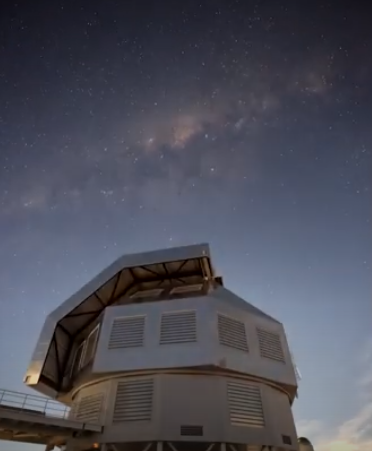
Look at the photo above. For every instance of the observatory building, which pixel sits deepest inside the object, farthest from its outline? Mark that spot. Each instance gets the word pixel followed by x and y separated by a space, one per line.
pixel 304 444
pixel 162 357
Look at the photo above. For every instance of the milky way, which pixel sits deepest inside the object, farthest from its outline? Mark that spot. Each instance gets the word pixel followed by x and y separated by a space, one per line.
pixel 89 115
pixel 129 126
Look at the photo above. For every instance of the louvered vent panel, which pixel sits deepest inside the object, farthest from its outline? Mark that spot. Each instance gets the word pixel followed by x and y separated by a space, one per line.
pixel 191 431
pixel 270 345
pixel 178 327
pixel 88 408
pixel 245 405
pixel 127 332
pixel 232 333
pixel 134 401
pixel 73 410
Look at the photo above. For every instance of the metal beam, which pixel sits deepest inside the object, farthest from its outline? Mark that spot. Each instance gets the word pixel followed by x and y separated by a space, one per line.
pixel 59 385
pixel 64 330
pixel 116 284
pixel 93 315
pixel 112 301
pixel 182 265
pixel 151 271
pixel 131 272
pixel 58 363
pixel 147 447
pixel 99 299
pixel 165 269
pixel 76 315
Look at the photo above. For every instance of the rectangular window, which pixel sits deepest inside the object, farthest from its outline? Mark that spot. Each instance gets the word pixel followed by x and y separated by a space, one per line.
pixel 77 359
pixel 90 347
pixel 183 289
pixel 286 440
pixel 153 293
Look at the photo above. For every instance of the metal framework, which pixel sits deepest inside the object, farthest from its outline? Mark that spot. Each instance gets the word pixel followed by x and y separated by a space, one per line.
pixel 34 419
pixel 167 268
pixel 185 446
pixel 154 277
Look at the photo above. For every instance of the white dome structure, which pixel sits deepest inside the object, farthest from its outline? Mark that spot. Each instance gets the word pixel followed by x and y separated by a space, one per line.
pixel 304 444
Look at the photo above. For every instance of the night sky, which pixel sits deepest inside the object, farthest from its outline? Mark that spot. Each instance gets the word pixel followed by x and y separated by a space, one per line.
pixel 131 126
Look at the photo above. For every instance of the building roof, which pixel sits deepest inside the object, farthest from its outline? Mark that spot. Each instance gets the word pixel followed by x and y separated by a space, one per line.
pixel 304 441
pixel 180 265
pixel 238 302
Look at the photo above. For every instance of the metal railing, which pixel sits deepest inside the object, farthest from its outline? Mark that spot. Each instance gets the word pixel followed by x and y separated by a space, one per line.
pixel 33 404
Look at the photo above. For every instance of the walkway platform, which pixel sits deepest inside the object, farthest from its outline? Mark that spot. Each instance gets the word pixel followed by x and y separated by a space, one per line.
pixel 35 419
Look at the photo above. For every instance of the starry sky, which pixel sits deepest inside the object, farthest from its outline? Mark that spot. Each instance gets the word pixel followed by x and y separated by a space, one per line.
pixel 132 126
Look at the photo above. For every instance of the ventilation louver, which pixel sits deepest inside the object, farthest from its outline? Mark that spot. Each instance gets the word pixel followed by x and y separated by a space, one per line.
pixel 178 327
pixel 127 332
pixel 191 431
pixel 270 345
pixel 88 408
pixel 245 405
pixel 232 333
pixel 287 440
pixel 134 401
